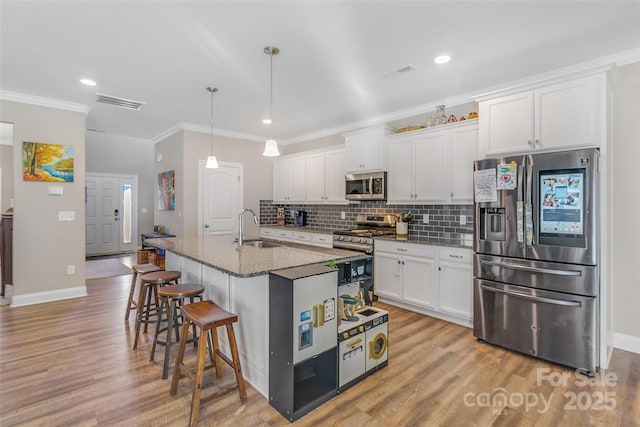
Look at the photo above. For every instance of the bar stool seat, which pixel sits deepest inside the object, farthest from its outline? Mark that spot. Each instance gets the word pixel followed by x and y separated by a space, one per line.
pixel 148 288
pixel 207 316
pixel 138 270
pixel 173 297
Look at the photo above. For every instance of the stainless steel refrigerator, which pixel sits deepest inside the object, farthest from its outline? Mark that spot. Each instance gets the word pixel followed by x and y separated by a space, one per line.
pixel 536 275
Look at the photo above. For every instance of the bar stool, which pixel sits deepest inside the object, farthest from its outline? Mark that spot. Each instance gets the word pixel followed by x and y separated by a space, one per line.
pixel 173 296
pixel 207 316
pixel 138 269
pixel 148 287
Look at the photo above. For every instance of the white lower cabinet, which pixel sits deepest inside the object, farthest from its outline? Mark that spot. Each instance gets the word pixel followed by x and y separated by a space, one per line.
pixel 405 272
pixel 433 280
pixel 455 274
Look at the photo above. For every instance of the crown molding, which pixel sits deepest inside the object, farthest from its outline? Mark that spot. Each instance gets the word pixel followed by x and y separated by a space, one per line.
pixel 206 130
pixel 599 65
pixel 44 102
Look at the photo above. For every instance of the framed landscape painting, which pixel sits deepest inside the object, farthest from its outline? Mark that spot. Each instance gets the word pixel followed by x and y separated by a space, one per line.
pixel 166 191
pixel 47 162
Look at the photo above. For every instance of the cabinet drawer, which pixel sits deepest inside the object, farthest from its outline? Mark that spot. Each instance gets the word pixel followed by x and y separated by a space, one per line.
pixel 301 237
pixel 267 232
pixel 460 255
pixel 324 240
pixel 425 251
pixel 284 234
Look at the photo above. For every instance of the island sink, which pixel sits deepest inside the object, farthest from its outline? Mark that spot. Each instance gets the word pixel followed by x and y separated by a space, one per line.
pixel 258 243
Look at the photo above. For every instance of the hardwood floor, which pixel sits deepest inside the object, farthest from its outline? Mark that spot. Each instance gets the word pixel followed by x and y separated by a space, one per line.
pixel 71 363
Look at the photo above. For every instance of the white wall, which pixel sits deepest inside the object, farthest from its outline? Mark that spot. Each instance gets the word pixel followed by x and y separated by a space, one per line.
pixel 181 152
pixel 314 144
pixel 43 247
pixel 626 201
pixel 257 169
pixel 125 155
pixel 171 150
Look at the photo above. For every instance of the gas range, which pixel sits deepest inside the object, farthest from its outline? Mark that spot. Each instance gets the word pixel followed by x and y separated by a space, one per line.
pixel 361 238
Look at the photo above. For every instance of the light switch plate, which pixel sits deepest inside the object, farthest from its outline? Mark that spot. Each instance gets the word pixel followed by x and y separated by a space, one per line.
pixel 66 216
pixel 425 218
pixel 55 190
pixel 463 220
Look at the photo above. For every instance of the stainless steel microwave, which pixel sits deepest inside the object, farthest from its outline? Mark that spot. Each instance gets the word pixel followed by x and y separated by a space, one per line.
pixel 366 186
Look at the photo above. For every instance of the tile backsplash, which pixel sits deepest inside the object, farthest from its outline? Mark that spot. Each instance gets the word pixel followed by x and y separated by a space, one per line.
pixel 444 220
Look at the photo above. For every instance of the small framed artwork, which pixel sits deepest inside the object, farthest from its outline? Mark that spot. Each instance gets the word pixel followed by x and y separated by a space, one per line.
pixel 166 191
pixel 42 161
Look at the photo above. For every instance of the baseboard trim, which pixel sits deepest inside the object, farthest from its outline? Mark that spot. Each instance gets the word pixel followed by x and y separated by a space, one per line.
pixel 48 296
pixel 626 342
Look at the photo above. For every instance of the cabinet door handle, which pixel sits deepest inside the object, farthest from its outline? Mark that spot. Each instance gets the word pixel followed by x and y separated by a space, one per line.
pixel 455 256
pixel 529 142
pixel 537 141
pixel 401 250
pixel 315 315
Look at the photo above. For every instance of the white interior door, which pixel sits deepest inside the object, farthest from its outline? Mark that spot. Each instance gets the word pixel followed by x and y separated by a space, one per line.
pixel 220 198
pixel 111 220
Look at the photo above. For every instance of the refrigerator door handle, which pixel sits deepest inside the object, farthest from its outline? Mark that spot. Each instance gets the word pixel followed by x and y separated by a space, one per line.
pixel 520 208
pixel 532 297
pixel 528 207
pixel 533 269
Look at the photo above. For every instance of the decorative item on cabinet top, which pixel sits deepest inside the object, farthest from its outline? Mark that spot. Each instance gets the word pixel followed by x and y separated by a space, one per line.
pixel 409 128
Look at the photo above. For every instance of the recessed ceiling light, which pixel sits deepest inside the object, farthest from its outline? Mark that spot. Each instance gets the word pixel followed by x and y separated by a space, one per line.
pixel 442 59
pixel 87 82
pixel 266 121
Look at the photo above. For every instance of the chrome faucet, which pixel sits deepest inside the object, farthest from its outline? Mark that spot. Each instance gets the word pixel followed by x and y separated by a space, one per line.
pixel 240 234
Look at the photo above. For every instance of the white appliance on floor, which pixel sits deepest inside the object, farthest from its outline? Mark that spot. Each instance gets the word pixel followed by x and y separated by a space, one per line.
pixel 363 346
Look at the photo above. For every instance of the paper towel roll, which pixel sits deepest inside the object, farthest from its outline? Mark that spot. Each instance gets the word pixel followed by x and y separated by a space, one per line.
pixel 402 229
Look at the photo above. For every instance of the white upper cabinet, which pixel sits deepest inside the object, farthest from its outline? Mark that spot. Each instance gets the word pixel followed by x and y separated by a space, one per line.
pixel 462 151
pixel 315 177
pixel 289 180
pixel 325 177
pixel 566 115
pixel 433 166
pixel 335 169
pixel 365 149
pixel 312 177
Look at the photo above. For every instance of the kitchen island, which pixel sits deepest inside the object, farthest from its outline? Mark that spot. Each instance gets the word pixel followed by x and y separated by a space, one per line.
pixel 237 279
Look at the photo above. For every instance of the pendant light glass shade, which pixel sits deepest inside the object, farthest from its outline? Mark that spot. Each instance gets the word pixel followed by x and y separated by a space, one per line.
pixel 271 146
pixel 212 162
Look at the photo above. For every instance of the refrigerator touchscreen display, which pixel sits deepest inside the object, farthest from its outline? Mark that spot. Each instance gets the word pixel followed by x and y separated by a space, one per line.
pixel 561 203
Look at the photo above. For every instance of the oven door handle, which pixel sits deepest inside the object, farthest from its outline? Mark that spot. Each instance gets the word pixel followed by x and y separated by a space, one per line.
pixel 353 246
pixel 533 269
pixel 532 297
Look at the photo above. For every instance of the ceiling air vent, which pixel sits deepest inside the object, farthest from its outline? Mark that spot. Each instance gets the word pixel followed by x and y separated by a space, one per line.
pixel 399 71
pixel 119 102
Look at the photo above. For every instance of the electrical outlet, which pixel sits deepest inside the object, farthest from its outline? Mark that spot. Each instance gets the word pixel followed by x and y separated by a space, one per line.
pixel 425 219
pixel 343 215
pixel 463 220
pixel 71 269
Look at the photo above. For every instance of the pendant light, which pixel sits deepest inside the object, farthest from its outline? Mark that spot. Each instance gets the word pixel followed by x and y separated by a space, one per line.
pixel 212 162
pixel 271 146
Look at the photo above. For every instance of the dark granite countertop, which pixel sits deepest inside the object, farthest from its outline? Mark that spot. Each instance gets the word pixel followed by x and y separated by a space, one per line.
pixel 434 241
pixel 222 253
